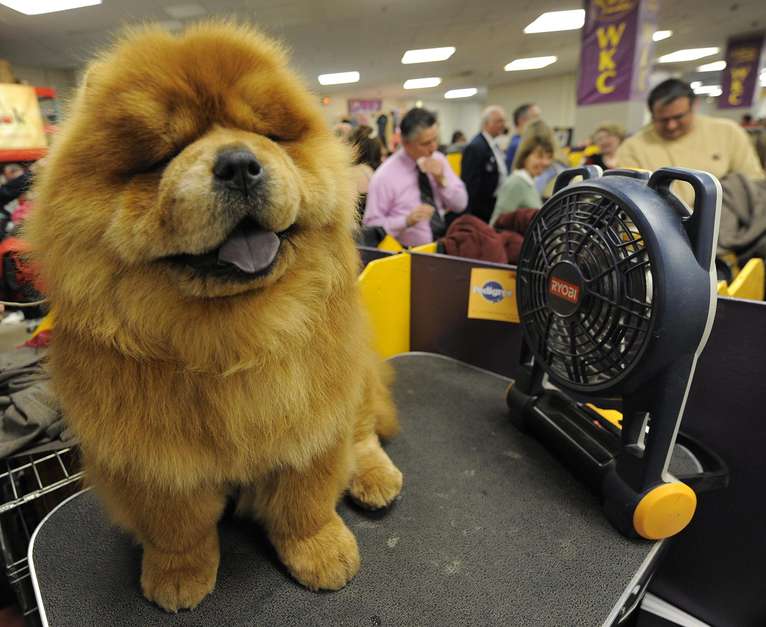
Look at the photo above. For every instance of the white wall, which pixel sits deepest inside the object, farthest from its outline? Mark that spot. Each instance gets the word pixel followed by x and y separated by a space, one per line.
pixel 453 115
pixel 64 81
pixel 456 116
pixel 556 96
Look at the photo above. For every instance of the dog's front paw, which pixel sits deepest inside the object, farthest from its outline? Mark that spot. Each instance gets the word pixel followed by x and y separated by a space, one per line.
pixel 325 561
pixel 177 581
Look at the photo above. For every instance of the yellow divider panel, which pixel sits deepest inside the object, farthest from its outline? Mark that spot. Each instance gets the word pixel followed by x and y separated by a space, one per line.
pixel 455 160
pixel 425 248
pixel 385 289
pixel 390 244
pixel 749 283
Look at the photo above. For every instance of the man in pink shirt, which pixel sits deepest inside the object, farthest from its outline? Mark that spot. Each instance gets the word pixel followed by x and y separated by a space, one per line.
pixel 413 184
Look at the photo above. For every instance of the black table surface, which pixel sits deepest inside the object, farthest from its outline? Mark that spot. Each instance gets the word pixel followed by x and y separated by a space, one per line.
pixel 489 529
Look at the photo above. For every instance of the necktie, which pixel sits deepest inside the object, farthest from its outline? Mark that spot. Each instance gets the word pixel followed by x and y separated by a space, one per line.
pixel 438 227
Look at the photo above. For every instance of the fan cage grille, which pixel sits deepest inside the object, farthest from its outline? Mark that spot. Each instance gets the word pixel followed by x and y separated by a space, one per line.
pixel 601 343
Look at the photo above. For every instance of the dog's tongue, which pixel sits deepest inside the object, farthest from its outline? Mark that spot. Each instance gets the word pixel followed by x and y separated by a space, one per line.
pixel 250 248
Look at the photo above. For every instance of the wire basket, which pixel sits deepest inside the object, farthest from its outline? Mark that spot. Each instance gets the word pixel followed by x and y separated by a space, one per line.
pixel 30 487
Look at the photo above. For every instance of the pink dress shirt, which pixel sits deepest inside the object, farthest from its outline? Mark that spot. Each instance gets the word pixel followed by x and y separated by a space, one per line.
pixel 394 193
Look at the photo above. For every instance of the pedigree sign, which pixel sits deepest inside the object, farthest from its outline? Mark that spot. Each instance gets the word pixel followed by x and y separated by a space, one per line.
pixel 743 56
pixel 21 124
pixel 616 41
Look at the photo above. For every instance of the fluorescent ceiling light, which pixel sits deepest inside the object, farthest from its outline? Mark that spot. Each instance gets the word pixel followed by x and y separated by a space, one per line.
pixel 531 63
pixel 461 93
pixel 422 83
pixel 338 78
pixel 427 55
pixel 557 20
pixel 715 66
pixel 695 84
pixel 38 7
pixel 659 35
pixel 691 54
pixel 709 90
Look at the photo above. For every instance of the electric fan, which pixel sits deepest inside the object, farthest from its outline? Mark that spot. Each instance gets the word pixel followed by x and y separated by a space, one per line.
pixel 616 291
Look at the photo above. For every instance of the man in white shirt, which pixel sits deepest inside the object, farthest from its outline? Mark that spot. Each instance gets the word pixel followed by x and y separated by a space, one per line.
pixel 483 167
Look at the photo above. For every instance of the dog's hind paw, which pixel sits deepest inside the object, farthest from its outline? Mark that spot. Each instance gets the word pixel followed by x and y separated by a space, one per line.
pixel 376 487
pixel 376 481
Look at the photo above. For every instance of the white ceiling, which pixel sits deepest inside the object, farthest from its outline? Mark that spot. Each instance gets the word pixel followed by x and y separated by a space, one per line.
pixel 370 36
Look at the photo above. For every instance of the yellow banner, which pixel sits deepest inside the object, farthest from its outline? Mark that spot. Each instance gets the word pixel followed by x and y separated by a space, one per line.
pixel 493 295
pixel 21 124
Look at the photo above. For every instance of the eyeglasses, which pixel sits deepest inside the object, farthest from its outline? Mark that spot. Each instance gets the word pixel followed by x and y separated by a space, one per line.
pixel 671 118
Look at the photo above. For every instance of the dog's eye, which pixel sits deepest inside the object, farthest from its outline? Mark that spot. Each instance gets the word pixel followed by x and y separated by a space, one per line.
pixel 161 164
pixel 275 138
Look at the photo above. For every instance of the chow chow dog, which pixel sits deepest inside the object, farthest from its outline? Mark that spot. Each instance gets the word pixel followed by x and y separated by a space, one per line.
pixel 194 233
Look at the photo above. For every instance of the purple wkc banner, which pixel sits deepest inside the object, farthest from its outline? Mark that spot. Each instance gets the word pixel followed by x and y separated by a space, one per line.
pixel 740 78
pixel 616 50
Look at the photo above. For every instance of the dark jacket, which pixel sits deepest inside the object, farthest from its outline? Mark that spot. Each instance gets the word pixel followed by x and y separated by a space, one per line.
pixel 14 188
pixel 479 171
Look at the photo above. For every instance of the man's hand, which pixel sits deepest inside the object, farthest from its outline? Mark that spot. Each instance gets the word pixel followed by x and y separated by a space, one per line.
pixel 421 212
pixel 430 165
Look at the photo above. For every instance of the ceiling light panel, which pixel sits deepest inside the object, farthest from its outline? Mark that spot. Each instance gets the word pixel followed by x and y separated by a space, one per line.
pixel 339 78
pixel 461 93
pixel 715 66
pixel 708 90
pixel 659 35
pixel 422 83
pixel 38 7
pixel 556 21
pixel 690 54
pixel 531 63
pixel 428 55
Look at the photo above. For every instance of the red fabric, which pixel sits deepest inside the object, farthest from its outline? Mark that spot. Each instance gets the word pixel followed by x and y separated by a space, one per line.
pixel 21 210
pixel 514 225
pixel 41 340
pixel 471 237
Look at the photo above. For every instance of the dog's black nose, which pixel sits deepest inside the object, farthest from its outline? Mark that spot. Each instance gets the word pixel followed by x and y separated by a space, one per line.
pixel 238 170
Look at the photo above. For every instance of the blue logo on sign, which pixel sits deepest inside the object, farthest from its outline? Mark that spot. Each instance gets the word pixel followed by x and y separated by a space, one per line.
pixel 492 291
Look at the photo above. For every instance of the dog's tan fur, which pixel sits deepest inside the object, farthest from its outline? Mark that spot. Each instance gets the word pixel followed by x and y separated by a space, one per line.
pixel 180 386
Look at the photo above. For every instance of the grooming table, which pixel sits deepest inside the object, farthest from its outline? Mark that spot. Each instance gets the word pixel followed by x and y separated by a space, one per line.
pixel 489 529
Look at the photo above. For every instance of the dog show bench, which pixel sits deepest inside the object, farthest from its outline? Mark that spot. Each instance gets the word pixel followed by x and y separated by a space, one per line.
pixel 489 529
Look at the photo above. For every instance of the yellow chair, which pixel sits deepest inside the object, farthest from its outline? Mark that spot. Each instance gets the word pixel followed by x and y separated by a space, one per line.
pixel 425 248
pixel 576 158
pixel 749 284
pixel 455 159
pixel 390 244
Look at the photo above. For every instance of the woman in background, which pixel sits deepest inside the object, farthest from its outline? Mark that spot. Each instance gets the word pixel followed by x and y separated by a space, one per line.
pixel 368 154
pixel 533 157
pixel 607 138
pixel 458 142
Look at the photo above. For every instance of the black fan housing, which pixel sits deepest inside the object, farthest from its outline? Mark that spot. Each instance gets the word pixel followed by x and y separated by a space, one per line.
pixel 609 287
pixel 616 291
